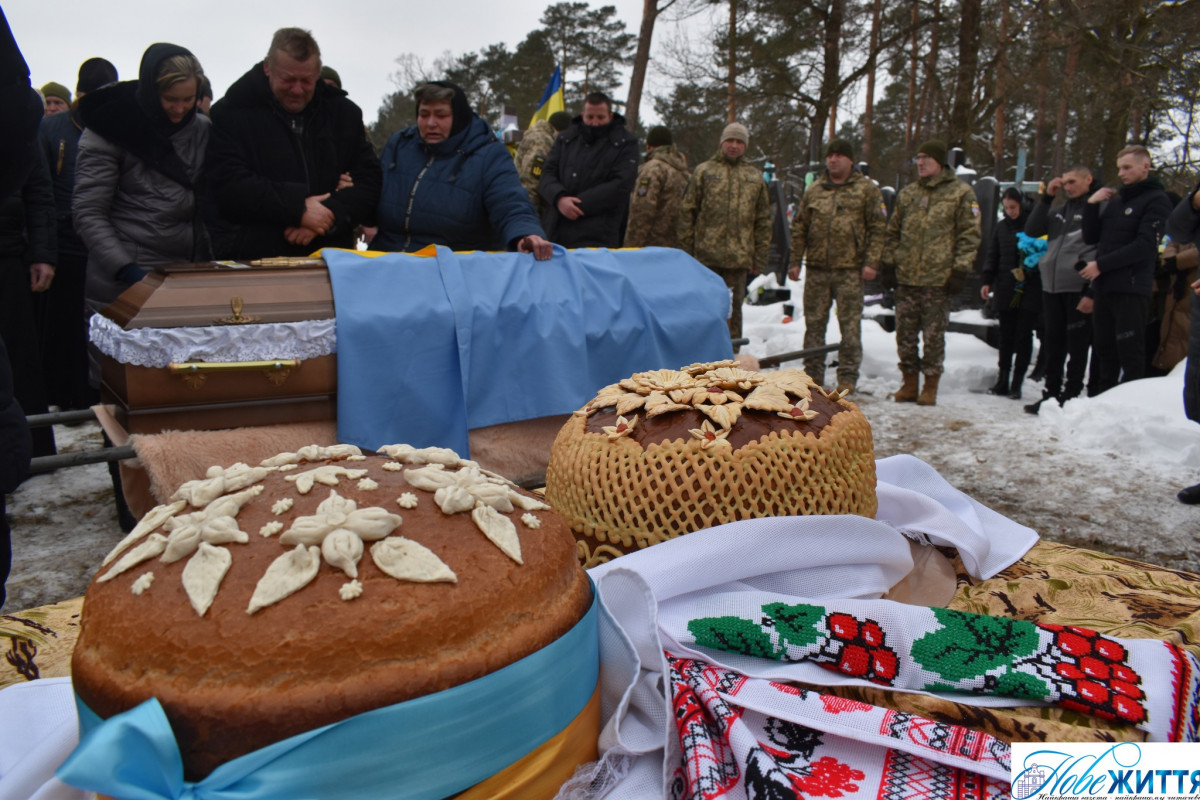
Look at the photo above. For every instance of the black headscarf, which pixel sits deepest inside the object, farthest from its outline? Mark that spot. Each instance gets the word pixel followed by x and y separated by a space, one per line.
pixel 459 107
pixel 147 87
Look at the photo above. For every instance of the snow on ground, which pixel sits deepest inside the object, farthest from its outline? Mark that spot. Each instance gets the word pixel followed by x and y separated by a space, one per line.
pixel 1100 473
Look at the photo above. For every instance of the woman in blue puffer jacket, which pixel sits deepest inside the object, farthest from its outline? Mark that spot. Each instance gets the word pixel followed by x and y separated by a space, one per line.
pixel 448 180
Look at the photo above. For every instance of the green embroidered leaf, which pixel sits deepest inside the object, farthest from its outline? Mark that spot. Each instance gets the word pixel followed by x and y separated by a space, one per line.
pixel 968 645
pixel 734 635
pixel 1022 684
pixel 796 625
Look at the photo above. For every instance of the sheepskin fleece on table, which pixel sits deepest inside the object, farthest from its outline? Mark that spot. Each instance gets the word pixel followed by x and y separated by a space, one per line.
pixel 518 450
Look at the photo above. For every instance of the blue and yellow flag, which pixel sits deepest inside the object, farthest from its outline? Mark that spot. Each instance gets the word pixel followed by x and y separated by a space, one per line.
pixel 552 99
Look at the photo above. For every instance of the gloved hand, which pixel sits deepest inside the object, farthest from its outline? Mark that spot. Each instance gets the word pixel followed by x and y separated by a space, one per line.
pixel 887 276
pixel 956 282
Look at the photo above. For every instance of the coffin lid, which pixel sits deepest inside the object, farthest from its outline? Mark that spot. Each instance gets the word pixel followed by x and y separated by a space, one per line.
pixel 202 294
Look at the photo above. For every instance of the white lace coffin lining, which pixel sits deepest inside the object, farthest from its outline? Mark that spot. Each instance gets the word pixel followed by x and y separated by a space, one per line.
pixel 158 347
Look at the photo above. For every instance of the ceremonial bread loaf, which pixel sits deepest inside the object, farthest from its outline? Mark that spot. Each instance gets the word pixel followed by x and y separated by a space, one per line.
pixel 669 452
pixel 267 601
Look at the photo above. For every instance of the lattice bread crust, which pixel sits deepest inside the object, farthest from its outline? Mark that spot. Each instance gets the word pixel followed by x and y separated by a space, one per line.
pixel 619 497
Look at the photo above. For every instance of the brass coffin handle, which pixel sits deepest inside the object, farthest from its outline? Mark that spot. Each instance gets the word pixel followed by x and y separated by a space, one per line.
pixel 194 373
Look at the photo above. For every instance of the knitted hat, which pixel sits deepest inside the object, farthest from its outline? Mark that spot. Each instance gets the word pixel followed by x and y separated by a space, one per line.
pixel 658 136
pixel 94 73
pixel 330 74
pixel 736 130
pixel 53 89
pixel 560 120
pixel 935 149
pixel 841 147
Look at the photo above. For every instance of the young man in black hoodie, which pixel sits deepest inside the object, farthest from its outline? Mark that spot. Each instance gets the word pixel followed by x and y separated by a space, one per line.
pixel 588 176
pixel 1125 230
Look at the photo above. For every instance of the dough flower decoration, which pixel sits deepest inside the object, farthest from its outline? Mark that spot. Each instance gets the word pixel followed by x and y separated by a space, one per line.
pixel 710 436
pixel 484 495
pixel 219 481
pixel 800 411
pixel 623 427
pixel 719 390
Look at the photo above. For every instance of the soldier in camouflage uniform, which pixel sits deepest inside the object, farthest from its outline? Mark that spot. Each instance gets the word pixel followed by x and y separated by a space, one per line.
pixel 838 232
pixel 725 218
pixel 654 205
pixel 531 153
pixel 930 248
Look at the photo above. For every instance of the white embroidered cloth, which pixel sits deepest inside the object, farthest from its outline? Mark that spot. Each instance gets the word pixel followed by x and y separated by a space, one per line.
pixel 840 557
pixel 158 347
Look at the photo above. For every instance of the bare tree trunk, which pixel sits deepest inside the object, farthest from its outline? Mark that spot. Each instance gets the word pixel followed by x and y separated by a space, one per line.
pixel 964 79
pixel 827 100
pixel 930 81
pixel 732 60
pixel 873 58
pixel 913 66
pixel 641 61
pixel 1060 127
pixel 1001 93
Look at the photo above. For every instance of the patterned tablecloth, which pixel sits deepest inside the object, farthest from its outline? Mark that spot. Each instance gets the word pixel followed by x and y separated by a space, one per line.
pixel 1053 583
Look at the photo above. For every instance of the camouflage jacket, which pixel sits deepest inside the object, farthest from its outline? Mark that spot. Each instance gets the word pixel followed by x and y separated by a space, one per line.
pixel 934 229
pixel 840 225
pixel 654 204
pixel 531 153
pixel 725 217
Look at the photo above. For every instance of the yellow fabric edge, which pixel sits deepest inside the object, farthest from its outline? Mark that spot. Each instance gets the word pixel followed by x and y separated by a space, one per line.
pixel 539 775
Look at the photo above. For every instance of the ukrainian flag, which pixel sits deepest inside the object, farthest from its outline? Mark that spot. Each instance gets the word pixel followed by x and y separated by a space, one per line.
pixel 552 99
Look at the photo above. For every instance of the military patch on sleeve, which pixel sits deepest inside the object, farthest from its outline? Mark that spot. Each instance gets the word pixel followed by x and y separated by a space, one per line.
pixel 643 186
pixel 974 208
pixel 536 168
pixel 883 209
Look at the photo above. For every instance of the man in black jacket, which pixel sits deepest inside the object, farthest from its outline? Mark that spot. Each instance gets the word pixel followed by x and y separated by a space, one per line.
pixel 1126 233
pixel 1066 310
pixel 290 168
pixel 588 176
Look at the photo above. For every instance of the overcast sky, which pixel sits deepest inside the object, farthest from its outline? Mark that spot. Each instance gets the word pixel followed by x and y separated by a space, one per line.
pixel 359 38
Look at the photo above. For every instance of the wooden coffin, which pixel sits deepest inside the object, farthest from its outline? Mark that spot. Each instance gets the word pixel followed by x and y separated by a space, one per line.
pixel 203 395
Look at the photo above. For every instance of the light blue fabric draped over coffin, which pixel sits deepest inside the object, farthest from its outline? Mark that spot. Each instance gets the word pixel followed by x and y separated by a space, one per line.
pixel 430 347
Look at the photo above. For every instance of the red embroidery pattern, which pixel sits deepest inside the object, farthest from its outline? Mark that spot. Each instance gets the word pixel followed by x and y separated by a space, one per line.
pixel 1093 675
pixel 942 737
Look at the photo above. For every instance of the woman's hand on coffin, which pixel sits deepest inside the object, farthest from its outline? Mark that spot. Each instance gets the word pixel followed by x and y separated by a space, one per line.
pixel 542 250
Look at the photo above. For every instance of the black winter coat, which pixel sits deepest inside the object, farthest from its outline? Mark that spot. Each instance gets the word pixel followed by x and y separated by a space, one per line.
pixel 1003 257
pixel 16 447
pixel 20 112
pixel 599 166
pixel 260 169
pixel 1126 233
pixel 27 225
